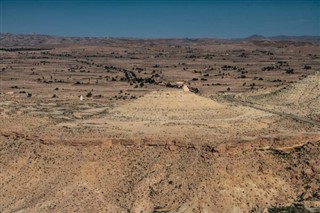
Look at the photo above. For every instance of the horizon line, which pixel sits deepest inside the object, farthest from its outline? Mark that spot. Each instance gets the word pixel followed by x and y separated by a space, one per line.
pixel 151 38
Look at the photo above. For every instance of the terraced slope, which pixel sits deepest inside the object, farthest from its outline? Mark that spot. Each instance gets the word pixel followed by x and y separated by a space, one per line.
pixel 301 98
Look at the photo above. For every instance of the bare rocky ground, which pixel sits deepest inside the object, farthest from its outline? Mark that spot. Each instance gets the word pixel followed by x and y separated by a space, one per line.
pixel 246 139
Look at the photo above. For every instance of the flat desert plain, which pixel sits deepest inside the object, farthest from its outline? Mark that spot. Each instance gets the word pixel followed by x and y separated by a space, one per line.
pixel 104 125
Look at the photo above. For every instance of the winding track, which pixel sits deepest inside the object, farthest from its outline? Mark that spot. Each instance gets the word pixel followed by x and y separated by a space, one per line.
pixel 283 114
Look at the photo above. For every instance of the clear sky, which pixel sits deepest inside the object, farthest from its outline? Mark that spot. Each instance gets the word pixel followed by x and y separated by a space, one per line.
pixel 161 19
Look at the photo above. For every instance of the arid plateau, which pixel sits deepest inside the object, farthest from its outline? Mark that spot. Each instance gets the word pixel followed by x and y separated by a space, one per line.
pixel 159 125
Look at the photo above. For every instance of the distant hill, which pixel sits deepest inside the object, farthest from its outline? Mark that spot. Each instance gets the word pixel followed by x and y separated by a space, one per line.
pixel 284 38
pixel 9 40
pixel 256 37
pixel 296 38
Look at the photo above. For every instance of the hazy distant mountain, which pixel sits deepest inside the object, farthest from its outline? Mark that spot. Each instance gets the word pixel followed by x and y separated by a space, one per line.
pixel 8 39
pixel 284 38
pixel 296 38
pixel 256 37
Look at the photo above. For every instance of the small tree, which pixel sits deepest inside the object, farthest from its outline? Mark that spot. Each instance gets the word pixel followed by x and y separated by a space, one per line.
pixel 89 95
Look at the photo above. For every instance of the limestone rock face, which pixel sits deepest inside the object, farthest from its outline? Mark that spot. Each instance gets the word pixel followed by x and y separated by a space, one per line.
pixel 185 88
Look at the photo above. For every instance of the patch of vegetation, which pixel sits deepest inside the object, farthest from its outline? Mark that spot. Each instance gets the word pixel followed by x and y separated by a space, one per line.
pixel 294 208
pixel 89 95
pixel 307 67
pixel 23 49
pixel 289 71
pixel 280 153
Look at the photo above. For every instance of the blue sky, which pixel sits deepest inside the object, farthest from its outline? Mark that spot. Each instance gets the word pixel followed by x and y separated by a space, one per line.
pixel 161 19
